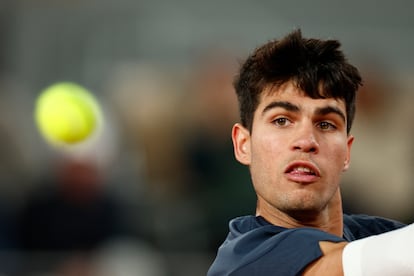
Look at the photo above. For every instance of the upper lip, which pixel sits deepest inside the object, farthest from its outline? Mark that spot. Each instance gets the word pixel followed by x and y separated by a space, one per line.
pixel 305 165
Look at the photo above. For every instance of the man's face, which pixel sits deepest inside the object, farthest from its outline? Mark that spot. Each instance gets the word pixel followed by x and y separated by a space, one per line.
pixel 296 151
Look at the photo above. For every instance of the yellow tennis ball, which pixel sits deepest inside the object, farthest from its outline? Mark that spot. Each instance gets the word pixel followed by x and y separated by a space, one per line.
pixel 67 113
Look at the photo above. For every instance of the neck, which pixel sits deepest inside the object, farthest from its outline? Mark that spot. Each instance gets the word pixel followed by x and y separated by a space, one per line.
pixel 330 219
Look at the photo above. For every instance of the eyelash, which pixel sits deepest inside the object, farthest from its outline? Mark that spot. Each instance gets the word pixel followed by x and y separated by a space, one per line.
pixel 329 125
pixel 323 125
pixel 277 121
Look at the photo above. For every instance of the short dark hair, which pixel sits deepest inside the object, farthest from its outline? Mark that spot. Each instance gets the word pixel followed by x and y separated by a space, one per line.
pixel 309 63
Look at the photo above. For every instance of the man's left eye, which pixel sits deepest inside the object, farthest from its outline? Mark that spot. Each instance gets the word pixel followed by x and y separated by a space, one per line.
pixel 326 126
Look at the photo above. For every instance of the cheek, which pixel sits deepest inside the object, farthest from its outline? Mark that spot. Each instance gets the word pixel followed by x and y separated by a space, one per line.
pixel 266 149
pixel 338 154
pixel 267 157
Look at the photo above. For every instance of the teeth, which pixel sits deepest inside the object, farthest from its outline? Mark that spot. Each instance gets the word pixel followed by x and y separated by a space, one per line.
pixel 304 169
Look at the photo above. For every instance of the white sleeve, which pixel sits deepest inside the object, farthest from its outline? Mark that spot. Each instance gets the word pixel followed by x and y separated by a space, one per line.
pixel 391 253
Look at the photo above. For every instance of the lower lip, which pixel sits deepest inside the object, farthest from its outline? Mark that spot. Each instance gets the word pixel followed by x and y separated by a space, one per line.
pixel 302 178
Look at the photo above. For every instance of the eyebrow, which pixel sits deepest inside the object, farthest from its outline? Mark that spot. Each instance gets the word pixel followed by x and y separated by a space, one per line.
pixel 285 105
pixel 294 108
pixel 331 109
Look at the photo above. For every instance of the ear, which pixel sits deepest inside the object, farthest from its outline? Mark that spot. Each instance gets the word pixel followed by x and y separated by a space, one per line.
pixel 241 144
pixel 348 155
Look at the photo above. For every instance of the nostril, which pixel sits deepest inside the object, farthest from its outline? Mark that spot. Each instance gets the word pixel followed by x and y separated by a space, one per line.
pixel 306 143
pixel 304 148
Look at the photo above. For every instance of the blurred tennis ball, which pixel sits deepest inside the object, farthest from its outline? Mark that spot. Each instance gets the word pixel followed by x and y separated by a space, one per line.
pixel 67 113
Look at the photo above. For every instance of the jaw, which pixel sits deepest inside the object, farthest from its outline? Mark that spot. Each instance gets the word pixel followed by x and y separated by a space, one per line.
pixel 301 208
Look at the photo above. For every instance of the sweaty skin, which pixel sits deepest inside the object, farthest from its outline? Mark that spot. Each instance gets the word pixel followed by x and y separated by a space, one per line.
pixel 296 151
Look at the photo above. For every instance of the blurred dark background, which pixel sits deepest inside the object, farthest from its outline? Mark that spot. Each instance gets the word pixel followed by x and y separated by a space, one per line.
pixel 153 194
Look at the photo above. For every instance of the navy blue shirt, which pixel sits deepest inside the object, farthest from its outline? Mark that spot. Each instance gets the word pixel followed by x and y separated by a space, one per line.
pixel 256 247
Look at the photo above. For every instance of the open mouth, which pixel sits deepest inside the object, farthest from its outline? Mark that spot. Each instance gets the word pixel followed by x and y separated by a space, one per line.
pixel 302 168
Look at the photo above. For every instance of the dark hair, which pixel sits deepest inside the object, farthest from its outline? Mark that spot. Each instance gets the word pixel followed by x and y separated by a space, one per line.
pixel 309 63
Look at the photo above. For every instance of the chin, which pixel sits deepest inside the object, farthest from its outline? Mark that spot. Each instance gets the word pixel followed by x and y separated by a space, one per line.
pixel 305 210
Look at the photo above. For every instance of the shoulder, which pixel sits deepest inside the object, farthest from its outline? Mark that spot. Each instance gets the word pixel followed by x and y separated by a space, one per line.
pixel 254 246
pixel 361 226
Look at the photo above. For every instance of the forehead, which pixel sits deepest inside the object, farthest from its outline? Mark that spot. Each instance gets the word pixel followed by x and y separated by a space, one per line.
pixel 291 93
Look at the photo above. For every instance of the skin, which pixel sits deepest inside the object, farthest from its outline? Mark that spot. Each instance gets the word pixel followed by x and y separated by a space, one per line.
pixel 297 150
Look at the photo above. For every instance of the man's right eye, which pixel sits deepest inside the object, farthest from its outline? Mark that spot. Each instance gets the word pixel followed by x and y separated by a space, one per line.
pixel 282 121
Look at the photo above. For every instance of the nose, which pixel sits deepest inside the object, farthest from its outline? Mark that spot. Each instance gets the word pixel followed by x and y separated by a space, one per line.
pixel 305 140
